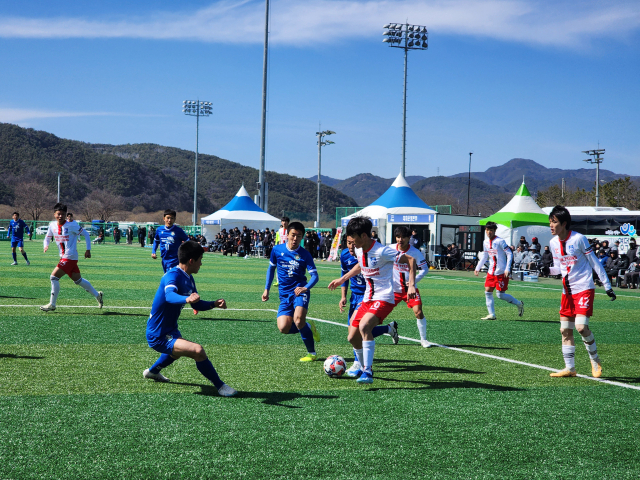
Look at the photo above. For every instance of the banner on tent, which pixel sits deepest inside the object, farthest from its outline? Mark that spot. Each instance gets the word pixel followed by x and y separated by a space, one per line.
pixel 410 218
pixel 334 254
pixel 211 222
pixel 345 221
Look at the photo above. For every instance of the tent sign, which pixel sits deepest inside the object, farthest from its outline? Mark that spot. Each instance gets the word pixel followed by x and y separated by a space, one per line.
pixel 345 221
pixel 211 222
pixel 410 218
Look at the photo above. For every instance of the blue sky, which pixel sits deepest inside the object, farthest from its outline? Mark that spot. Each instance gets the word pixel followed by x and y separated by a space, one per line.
pixel 502 78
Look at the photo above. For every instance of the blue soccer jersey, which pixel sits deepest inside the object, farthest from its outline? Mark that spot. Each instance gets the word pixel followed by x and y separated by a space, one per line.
pixel 291 267
pixel 164 314
pixel 17 229
pixel 357 283
pixel 169 240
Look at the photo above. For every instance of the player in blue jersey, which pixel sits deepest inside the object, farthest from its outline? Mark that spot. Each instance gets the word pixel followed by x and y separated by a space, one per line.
pixel 169 237
pixel 176 289
pixel 291 263
pixel 17 227
pixel 358 287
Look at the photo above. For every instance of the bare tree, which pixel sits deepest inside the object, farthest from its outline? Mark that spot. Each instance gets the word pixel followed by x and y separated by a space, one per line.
pixel 101 204
pixel 34 198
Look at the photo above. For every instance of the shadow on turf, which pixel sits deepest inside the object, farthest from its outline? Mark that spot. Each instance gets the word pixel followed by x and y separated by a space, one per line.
pixel 12 296
pixel 419 367
pixel 623 379
pixel 479 346
pixel 430 385
pixel 13 355
pixel 268 398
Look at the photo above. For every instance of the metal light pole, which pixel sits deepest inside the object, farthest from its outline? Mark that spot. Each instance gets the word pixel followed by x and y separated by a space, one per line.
pixel 261 179
pixel 196 108
pixel 58 186
pixel 469 185
pixel 597 160
pixel 321 144
pixel 408 37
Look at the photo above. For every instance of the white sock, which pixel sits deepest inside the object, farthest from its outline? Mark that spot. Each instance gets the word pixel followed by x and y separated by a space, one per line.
pixel 593 352
pixel 569 354
pixel 507 298
pixel 55 289
pixel 492 310
pixel 368 348
pixel 359 356
pixel 422 327
pixel 87 286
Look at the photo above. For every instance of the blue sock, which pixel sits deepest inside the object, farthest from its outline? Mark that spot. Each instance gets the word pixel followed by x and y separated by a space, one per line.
pixel 293 329
pixel 206 368
pixel 24 254
pixel 163 362
pixel 307 338
pixel 379 330
pixel 15 259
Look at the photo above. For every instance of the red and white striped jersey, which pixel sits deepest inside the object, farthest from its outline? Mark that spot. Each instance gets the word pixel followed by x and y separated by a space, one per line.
pixel 66 236
pixel 576 260
pixel 401 270
pixel 499 255
pixel 282 235
pixel 376 265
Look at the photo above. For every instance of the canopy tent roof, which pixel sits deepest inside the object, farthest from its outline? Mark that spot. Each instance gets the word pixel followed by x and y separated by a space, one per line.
pixel 521 210
pixel 241 207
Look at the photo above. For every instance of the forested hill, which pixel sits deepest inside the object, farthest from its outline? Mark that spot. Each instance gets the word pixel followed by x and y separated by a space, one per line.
pixel 150 176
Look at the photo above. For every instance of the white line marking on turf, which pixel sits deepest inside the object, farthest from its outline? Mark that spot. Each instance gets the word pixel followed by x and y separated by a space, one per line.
pixel 456 349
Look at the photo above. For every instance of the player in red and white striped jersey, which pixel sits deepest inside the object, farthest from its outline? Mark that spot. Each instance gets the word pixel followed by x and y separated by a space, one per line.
pixel 401 279
pixel 66 235
pixel 375 263
pixel 500 260
pixel 574 259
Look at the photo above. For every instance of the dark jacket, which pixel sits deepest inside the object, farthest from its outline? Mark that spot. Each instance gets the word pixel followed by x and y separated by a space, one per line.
pixel 547 258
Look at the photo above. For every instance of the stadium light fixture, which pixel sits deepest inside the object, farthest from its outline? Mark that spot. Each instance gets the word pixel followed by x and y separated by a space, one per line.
pixel 321 143
pixel 597 160
pixel 196 108
pixel 408 37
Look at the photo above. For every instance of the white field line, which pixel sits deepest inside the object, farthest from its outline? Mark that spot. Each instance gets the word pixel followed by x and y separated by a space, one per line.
pixel 471 352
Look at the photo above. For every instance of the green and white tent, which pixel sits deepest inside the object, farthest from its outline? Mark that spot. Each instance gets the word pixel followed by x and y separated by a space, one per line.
pixel 521 216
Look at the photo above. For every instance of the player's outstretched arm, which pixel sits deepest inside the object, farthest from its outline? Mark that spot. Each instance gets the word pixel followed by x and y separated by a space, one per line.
pixel 339 281
pixel 202 305
pixel 265 296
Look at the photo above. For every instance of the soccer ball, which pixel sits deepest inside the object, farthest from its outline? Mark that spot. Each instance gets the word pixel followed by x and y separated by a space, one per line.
pixel 335 366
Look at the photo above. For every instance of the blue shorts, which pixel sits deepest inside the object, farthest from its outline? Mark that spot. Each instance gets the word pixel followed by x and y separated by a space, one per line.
pixel 164 344
pixel 17 243
pixel 169 264
pixel 354 303
pixel 289 302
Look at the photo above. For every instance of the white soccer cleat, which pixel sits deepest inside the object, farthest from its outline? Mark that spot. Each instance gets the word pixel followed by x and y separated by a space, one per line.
pixel 489 317
pixel 426 343
pixel 28 263
pixel 393 331
pixel 227 391
pixel 158 377
pixel 48 308
pixel 99 300
pixel 521 308
pixel 14 263
pixel 355 370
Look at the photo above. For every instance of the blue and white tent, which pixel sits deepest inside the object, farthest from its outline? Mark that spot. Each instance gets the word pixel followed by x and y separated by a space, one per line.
pixel 399 204
pixel 240 211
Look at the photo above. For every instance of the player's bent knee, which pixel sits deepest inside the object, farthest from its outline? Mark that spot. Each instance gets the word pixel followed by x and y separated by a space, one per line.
pixel 566 332
pixel 199 353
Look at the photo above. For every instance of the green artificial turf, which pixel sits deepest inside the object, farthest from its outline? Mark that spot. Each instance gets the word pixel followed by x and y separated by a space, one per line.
pixel 74 404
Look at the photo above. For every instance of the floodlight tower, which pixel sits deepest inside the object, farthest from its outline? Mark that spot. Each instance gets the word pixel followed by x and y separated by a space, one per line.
pixel 321 144
pixel 196 108
pixel 408 37
pixel 597 160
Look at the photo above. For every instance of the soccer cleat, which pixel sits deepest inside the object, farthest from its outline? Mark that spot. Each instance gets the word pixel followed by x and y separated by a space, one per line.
pixel 48 308
pixel 393 331
pixel 309 358
pixel 563 373
pixel 521 308
pixel 316 334
pixel 14 263
pixel 99 300
pixel 158 377
pixel 227 391
pixel 426 343
pixel 596 369
pixel 489 317
pixel 28 263
pixel 366 377
pixel 354 370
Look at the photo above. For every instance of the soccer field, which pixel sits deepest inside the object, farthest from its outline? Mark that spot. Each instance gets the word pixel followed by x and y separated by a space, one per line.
pixel 74 404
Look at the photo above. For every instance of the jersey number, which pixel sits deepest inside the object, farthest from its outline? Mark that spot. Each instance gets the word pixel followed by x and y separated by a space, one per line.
pixel 584 302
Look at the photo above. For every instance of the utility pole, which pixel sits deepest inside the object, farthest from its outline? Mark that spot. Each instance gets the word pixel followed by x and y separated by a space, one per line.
pixel 469 184
pixel 261 179
pixel 58 186
pixel 597 160
pixel 321 143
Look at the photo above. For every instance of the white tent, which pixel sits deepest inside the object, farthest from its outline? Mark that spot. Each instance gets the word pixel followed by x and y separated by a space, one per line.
pixel 239 212
pixel 397 202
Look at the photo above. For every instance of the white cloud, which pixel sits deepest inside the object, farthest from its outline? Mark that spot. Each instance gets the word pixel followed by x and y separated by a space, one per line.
pixel 17 115
pixel 562 23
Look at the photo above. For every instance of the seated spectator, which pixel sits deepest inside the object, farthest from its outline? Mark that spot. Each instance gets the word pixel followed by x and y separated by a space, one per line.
pixel 633 271
pixel 615 265
pixel 605 246
pixel 518 257
pixel 532 259
pixel 616 246
pixel 547 261
pixel 602 258
pixel 536 244
pixel 452 256
pixel 524 244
